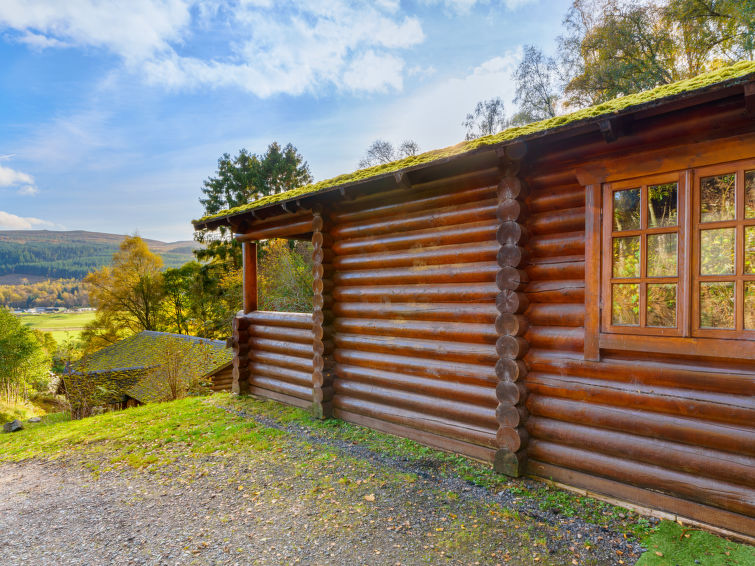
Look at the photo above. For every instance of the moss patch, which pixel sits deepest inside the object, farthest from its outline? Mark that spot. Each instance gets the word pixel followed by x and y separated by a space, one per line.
pixel 657 94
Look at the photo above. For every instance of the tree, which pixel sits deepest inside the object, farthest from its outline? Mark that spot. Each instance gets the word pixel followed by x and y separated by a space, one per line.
pixel 24 361
pixel 613 48
pixel 488 117
pixel 381 151
pixel 285 278
pixel 128 293
pixel 241 180
pixel 180 372
pixel 536 90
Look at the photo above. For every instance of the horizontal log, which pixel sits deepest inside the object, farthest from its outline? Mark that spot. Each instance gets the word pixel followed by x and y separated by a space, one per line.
pixel 510 463
pixel 512 439
pixel 511 415
pixel 323 255
pixel 448 351
pixel 429 405
pixel 732 409
pixel 732 468
pixel 555 314
pixel 511 393
pixel 511 302
pixel 512 347
pixel 287 319
pixel 457 372
pixel 437 425
pixel 512 233
pixel 473 252
pixel 648 372
pixel 556 268
pixel 507 369
pixel 464 293
pixel 462 312
pixel 417 200
pixel 704 490
pixel 558 221
pixel 431 274
pixel 567 243
pixel 280 346
pixel 507 324
pixel 456 331
pixel 546 198
pixel 481 393
pixel 510 255
pixel 292 228
pixel 281 360
pixel 511 187
pixel 556 292
pixel 297 377
pixel 322 240
pixel 698 432
pixel 483 231
pixel 510 210
pixel 445 216
pixel 282 333
pixel 511 278
pixel 556 338
pixel 428 439
pixel 298 391
pixel 323 394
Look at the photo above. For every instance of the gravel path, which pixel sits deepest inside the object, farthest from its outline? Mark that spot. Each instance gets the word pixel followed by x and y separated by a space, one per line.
pixel 315 502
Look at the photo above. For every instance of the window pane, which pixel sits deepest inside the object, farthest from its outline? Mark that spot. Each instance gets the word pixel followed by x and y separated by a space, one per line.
pixel 749 194
pixel 749 249
pixel 626 210
pixel 626 305
pixel 661 305
pixel 750 305
pixel 717 305
pixel 717 198
pixel 662 255
pixel 717 251
pixel 626 257
pixel 662 209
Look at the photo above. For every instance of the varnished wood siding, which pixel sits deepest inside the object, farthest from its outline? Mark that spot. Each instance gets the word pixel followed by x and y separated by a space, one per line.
pixel 663 425
pixel 222 380
pixel 280 356
pixel 414 314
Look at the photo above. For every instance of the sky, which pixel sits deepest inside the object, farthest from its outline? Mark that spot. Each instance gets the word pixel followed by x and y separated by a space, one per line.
pixel 113 113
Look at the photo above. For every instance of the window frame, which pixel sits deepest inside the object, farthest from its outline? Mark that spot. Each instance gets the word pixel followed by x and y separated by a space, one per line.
pixel 607 278
pixel 687 339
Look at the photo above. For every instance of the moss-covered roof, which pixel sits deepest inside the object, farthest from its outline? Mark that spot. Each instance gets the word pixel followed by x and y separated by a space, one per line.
pixel 125 366
pixel 733 73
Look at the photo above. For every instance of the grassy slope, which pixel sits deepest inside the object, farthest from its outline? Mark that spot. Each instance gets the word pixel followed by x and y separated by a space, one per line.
pixel 62 326
pixel 154 436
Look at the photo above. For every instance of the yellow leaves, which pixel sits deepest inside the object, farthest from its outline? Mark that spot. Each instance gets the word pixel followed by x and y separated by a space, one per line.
pixel 370 497
pixel 658 553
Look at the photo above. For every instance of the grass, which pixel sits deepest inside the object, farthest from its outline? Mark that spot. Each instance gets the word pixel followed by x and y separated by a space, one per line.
pixel 155 436
pixel 61 325
pixel 20 411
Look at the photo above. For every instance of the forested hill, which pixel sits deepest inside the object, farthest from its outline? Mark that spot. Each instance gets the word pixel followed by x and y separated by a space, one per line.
pixel 73 254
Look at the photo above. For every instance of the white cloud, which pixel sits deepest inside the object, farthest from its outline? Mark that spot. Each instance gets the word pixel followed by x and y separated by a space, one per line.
pixel 267 47
pixel 12 222
pixel 13 178
pixel 432 116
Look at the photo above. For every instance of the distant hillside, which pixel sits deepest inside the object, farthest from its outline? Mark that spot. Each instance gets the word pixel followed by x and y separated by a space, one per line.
pixel 73 254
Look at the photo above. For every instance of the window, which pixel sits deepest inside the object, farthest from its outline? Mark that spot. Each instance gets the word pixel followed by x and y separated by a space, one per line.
pixel 641 251
pixel 678 259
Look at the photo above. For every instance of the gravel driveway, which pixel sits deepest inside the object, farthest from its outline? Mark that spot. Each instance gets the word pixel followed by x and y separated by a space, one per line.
pixel 307 504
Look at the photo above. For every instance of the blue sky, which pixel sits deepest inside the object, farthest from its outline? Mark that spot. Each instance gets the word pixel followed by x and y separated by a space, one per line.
pixel 113 113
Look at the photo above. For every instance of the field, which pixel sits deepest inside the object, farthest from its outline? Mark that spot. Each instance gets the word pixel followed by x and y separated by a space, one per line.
pixel 61 325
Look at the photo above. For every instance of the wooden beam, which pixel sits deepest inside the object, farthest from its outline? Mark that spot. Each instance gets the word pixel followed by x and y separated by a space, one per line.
pixel 402 180
pixel 249 254
pixel 750 99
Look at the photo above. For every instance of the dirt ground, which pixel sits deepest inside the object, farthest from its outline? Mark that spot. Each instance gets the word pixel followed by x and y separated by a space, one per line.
pixel 311 502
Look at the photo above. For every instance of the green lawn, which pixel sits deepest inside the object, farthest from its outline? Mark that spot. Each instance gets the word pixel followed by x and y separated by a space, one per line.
pixel 157 436
pixel 61 325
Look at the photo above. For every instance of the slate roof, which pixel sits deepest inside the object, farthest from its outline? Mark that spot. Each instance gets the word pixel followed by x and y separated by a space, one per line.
pixel 124 367
pixel 735 74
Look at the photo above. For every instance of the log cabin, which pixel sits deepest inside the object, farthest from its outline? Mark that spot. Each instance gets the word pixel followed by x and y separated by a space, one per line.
pixel 572 300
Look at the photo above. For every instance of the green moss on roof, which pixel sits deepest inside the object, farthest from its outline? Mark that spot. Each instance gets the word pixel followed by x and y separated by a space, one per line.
pixel 735 71
pixel 124 366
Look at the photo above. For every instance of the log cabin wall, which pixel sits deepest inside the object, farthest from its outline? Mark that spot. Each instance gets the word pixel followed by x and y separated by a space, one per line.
pixel 414 303
pixel 664 431
pixel 279 346
pixel 223 379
